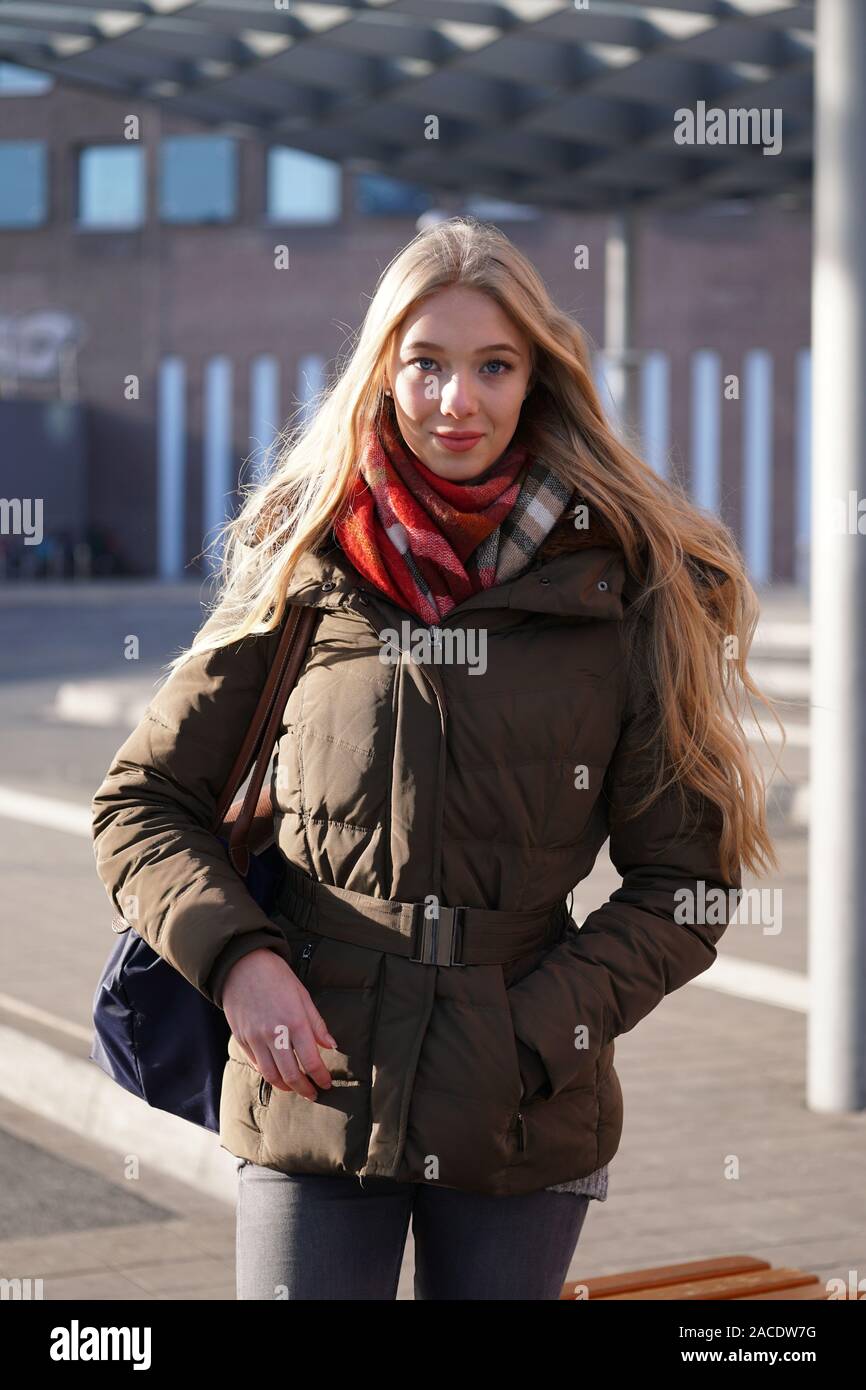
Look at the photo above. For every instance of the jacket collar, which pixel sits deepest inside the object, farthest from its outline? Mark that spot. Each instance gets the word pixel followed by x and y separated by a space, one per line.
pixel 574 575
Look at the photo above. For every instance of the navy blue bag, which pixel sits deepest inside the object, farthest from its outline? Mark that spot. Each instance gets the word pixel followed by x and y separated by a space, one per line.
pixel 155 1034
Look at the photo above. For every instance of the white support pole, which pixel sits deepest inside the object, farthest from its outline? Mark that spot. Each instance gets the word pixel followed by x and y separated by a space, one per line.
pixel 311 379
pixel 803 468
pixel 218 482
pixel 837 843
pixel 602 379
pixel 170 468
pixel 264 412
pixel 706 422
pixel 656 411
pixel 619 316
pixel 758 464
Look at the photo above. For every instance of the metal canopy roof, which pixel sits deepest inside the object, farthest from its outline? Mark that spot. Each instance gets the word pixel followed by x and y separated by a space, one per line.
pixel 538 101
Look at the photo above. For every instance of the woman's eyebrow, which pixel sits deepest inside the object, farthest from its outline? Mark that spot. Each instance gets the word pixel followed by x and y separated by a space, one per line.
pixel 437 347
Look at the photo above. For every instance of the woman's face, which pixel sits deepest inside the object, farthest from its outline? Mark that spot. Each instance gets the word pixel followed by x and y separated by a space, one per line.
pixel 459 371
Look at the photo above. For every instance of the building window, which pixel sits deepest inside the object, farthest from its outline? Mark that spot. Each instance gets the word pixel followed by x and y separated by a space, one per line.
pixel 23 183
pixel 198 178
pixel 302 187
pixel 380 195
pixel 23 82
pixel 111 186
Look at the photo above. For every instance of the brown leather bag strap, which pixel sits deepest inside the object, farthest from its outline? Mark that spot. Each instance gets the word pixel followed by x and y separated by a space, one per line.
pixel 261 735
pixel 244 760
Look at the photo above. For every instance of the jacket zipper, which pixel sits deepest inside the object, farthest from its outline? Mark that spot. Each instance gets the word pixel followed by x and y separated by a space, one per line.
pixel 521 1131
pixel 306 957
pixel 440 782
pixel 443 754
pixel 265 1087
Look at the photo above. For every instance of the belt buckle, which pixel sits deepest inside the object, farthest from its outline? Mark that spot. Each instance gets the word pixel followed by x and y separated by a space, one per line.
pixel 437 939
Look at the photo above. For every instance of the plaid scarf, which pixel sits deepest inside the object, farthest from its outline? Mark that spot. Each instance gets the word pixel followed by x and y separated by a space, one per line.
pixel 428 543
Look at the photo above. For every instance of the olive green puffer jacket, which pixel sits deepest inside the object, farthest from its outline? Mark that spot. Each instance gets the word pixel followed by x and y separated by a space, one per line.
pixel 435 805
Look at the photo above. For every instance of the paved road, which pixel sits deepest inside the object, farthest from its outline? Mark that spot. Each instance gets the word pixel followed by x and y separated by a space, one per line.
pixel 76 1215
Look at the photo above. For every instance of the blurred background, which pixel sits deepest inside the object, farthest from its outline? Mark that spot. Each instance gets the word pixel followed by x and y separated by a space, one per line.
pixel 196 201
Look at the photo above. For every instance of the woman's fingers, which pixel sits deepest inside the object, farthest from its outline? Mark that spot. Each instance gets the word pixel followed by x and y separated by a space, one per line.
pixel 254 1061
pixel 317 1023
pixel 286 1075
pixel 285 1053
pixel 307 1050
pixel 293 1051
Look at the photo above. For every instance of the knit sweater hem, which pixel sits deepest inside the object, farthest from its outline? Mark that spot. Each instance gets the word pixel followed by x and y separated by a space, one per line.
pixel 593 1185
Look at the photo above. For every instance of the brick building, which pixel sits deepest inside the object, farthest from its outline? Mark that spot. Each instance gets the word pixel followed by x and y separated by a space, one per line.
pixel 161 252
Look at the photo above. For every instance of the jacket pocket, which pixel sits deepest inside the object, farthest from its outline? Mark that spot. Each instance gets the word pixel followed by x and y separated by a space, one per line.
pixel 514 1055
pixel 533 1073
pixel 344 982
pixel 331 1133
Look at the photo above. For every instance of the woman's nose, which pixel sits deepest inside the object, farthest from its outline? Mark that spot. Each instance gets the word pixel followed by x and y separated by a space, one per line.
pixel 457 396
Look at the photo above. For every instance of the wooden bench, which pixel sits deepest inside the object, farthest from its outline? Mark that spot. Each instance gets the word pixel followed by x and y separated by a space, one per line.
pixel 728 1277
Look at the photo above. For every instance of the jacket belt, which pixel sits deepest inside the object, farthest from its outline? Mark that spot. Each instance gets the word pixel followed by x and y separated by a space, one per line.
pixel 455 936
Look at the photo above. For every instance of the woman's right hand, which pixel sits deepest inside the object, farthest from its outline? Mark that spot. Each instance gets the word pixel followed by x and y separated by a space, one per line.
pixel 264 1000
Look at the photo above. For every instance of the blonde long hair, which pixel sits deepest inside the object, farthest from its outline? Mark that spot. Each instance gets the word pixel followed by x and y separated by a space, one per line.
pixel 696 636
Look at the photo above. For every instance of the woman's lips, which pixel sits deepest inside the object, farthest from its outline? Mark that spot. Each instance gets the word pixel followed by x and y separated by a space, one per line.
pixel 458 444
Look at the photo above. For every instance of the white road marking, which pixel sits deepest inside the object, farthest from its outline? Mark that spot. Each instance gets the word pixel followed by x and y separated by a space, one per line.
pixel 765 984
pixel 45 811
pixel 36 1015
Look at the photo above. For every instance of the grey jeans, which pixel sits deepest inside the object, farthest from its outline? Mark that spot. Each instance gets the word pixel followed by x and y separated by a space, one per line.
pixel 307 1236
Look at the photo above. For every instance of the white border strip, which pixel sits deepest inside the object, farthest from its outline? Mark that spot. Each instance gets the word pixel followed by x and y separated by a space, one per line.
pixel 77 1094
pixel 47 811
pixel 36 1015
pixel 765 984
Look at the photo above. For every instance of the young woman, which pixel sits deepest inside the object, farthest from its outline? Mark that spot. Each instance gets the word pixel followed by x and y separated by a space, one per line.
pixel 525 642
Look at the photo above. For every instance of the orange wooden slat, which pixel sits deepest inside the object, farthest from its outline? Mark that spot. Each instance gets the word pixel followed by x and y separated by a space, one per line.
pixel 604 1285
pixel 730 1286
pixel 803 1291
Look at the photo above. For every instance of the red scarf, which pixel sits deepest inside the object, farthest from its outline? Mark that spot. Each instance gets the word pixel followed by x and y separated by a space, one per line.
pixel 413 534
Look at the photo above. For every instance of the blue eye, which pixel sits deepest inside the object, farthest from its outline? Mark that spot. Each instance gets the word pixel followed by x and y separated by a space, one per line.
pixel 432 366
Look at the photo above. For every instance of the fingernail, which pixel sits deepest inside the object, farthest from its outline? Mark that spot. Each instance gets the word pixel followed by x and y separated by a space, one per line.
pixel 332 1041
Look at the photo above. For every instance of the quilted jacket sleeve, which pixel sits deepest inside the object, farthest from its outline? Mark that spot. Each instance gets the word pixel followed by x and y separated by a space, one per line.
pixel 643 942
pixel 168 875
